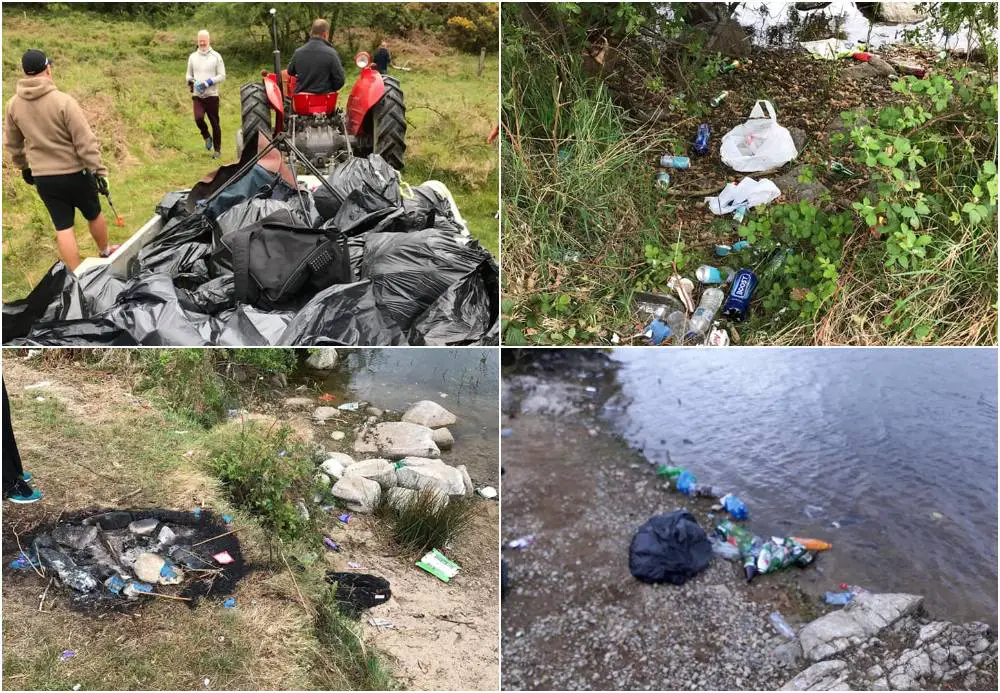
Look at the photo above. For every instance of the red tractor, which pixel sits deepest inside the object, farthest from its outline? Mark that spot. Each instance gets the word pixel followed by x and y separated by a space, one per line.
pixel 375 121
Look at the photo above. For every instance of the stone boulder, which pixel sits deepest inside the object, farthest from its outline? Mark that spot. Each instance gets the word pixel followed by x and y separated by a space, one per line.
pixel 322 358
pixel 325 413
pixel 439 477
pixel 901 12
pixel 443 438
pixel 430 414
pixel 360 494
pixel 298 402
pixel 396 439
pixel 824 676
pixel 793 190
pixel 866 615
pixel 377 470
pixel 336 463
pixel 466 479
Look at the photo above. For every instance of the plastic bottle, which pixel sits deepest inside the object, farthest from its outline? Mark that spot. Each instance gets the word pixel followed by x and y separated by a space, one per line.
pixel 686 483
pixel 838 598
pixel 705 491
pixel 735 507
pixel 657 332
pixel 669 472
pixel 725 550
pixel 662 179
pixel 677 321
pixel 701 139
pixel 711 299
pixel 782 625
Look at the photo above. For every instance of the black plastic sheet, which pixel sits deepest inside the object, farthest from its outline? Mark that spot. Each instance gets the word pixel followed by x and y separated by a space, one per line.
pixel 414 284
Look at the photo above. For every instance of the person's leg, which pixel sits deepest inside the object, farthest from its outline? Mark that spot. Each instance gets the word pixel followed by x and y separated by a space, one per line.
pixel 199 117
pixel 12 470
pixel 99 232
pixel 88 201
pixel 212 108
pixel 69 251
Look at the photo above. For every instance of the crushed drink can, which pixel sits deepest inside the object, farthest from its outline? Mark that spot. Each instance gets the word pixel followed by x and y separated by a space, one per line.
pixel 722 250
pixel 719 99
pixel 708 275
pixel 701 140
pixel 669 161
pixel 740 245
pixel 662 179
pixel 737 304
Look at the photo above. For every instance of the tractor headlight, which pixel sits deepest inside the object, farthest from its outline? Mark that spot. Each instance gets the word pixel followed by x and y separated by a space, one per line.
pixel 362 60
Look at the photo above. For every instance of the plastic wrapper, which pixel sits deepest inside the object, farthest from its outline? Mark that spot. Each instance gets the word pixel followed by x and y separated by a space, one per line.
pixel 433 285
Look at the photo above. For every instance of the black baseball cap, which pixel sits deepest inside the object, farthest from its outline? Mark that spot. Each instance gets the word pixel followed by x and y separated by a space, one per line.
pixel 34 62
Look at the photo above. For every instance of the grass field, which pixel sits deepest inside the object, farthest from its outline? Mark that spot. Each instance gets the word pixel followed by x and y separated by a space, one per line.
pixel 131 86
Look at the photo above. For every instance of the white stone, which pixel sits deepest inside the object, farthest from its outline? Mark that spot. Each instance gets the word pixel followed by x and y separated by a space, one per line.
pixel 442 438
pixel 430 414
pixel 147 567
pixel 298 402
pixel 322 358
pixel 336 463
pixel 338 435
pixel 323 479
pixel 864 616
pixel 324 413
pixel 400 498
pixel 466 479
pixel 143 527
pixel 818 677
pixel 931 631
pixel 360 494
pixel 377 470
pixel 396 439
pixel 440 477
pixel 901 12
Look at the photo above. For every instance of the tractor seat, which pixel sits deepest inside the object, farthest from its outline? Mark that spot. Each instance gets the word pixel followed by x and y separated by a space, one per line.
pixel 314 104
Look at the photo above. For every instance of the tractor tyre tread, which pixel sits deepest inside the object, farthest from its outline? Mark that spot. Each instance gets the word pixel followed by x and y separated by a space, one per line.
pixel 389 124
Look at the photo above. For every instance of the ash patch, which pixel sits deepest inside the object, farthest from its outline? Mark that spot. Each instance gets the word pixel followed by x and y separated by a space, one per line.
pixel 112 560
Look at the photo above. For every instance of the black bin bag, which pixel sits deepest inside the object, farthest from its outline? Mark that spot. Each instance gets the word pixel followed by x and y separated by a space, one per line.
pixel 669 548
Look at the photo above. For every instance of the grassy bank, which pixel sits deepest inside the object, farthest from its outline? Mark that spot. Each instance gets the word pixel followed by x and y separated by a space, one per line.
pixel 904 252
pixel 100 435
pixel 133 92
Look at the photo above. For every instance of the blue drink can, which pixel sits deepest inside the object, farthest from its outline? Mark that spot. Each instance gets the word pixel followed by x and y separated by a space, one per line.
pixel 740 293
pixel 668 161
pixel 701 140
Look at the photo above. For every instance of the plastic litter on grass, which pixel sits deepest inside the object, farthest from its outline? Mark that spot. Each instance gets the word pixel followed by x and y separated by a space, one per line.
pixel 438 565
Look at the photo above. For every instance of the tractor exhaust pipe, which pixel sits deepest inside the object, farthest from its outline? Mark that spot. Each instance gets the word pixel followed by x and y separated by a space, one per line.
pixel 277 53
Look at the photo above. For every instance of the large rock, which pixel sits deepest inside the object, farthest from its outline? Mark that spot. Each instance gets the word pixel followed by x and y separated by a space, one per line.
pixel 401 498
pixel 439 477
pixel 430 414
pixel 325 413
pixel 147 567
pixel 298 402
pixel 322 358
pixel 866 615
pixel 443 438
pixel 825 676
pixel 795 190
pixel 466 479
pixel 377 470
pixel 360 494
pixel 901 12
pixel 336 463
pixel 396 439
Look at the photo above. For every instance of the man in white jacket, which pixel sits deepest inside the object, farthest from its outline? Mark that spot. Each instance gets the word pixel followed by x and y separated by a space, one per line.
pixel 205 70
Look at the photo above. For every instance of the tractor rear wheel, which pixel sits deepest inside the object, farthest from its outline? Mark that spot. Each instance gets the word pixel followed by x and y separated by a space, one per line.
pixel 255 115
pixel 389 124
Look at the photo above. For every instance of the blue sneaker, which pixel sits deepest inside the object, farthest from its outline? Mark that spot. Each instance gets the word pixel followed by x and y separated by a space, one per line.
pixel 21 493
pixel 26 476
pixel 208 143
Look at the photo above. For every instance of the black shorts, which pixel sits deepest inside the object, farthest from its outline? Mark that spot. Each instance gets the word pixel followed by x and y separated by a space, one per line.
pixel 64 194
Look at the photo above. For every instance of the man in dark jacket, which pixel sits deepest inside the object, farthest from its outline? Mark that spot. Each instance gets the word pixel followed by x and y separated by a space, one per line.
pixel 316 65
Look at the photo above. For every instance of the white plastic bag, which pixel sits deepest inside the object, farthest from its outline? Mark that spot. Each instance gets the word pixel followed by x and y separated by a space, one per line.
pixel 758 144
pixel 748 193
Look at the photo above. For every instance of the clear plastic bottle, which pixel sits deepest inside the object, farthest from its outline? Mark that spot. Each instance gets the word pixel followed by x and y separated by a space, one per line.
pixel 701 321
pixel 677 322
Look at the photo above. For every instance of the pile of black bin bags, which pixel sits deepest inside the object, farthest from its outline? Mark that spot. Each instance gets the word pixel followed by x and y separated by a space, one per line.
pixel 418 277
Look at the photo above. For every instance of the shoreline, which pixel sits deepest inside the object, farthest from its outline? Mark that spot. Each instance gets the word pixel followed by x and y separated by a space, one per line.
pixel 624 482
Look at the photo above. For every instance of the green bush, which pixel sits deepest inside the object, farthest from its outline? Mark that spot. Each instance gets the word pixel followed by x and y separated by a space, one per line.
pixel 189 382
pixel 425 522
pixel 266 473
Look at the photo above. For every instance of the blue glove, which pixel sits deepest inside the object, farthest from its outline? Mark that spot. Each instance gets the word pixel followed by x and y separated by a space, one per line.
pixel 209 82
pixel 199 87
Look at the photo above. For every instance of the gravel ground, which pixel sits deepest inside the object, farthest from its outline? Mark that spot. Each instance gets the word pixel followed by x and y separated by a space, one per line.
pixel 575 618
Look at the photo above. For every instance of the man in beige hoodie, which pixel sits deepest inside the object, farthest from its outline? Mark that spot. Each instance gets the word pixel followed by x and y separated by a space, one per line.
pixel 49 139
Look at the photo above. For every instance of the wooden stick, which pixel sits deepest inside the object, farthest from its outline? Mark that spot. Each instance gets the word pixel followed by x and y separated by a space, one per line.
pixel 41 602
pixel 217 537
pixel 17 538
pixel 116 501
pixel 167 596
pixel 302 599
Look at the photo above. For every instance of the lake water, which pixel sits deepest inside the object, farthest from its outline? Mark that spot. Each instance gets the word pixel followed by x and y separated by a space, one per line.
pixel 889 454
pixel 464 381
